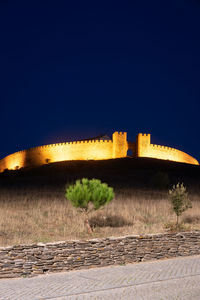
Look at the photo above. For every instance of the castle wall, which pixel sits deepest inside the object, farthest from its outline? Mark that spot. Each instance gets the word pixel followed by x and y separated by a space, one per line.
pixel 120 144
pixel 80 150
pixel 146 149
pixel 95 150
pixel 13 161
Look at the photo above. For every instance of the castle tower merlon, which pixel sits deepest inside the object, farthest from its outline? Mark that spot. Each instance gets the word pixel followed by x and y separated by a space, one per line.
pixel 94 149
pixel 120 144
pixel 143 141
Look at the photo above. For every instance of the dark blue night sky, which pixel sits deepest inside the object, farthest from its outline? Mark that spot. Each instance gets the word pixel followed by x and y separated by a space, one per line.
pixel 75 69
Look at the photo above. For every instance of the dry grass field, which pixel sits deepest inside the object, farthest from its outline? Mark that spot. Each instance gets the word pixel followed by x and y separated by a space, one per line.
pixel 45 216
pixel 33 207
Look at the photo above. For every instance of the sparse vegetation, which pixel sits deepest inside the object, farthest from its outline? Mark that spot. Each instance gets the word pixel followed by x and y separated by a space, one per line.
pixel 89 195
pixel 30 216
pixel 33 207
pixel 179 200
pixel 173 227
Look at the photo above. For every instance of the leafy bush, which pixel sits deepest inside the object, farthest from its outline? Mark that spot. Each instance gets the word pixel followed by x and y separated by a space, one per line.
pixel 85 193
pixel 79 194
pixel 179 200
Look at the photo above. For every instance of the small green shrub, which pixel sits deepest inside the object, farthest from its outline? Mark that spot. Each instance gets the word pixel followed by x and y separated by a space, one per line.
pixel 179 200
pixel 86 193
pixel 79 194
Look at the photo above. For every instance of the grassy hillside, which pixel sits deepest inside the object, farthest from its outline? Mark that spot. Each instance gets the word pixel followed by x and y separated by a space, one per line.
pixel 142 173
pixel 33 207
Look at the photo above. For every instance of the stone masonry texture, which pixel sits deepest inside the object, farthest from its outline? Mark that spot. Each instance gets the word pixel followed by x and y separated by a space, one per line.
pixel 93 150
pixel 30 260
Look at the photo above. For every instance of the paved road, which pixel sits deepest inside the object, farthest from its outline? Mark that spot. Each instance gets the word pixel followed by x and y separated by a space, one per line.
pixel 171 279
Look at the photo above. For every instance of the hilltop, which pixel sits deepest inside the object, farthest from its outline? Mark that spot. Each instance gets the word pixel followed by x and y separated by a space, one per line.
pixel 145 173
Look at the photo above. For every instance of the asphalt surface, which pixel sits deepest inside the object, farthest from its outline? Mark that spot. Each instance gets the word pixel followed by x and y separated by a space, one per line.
pixel 171 279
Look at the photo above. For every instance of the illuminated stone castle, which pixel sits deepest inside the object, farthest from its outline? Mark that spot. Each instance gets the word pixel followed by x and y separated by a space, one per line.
pixel 98 148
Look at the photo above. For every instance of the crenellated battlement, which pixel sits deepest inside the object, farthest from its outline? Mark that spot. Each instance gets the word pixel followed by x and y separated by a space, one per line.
pixel 163 147
pixel 94 149
pixel 120 132
pixel 120 144
pixel 144 134
pixel 75 150
pixel 146 149
pixel 65 144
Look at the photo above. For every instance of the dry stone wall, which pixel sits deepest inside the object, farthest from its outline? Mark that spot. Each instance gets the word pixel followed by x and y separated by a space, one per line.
pixel 30 260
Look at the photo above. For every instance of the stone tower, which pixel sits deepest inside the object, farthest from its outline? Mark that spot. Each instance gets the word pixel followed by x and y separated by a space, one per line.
pixel 142 144
pixel 120 144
